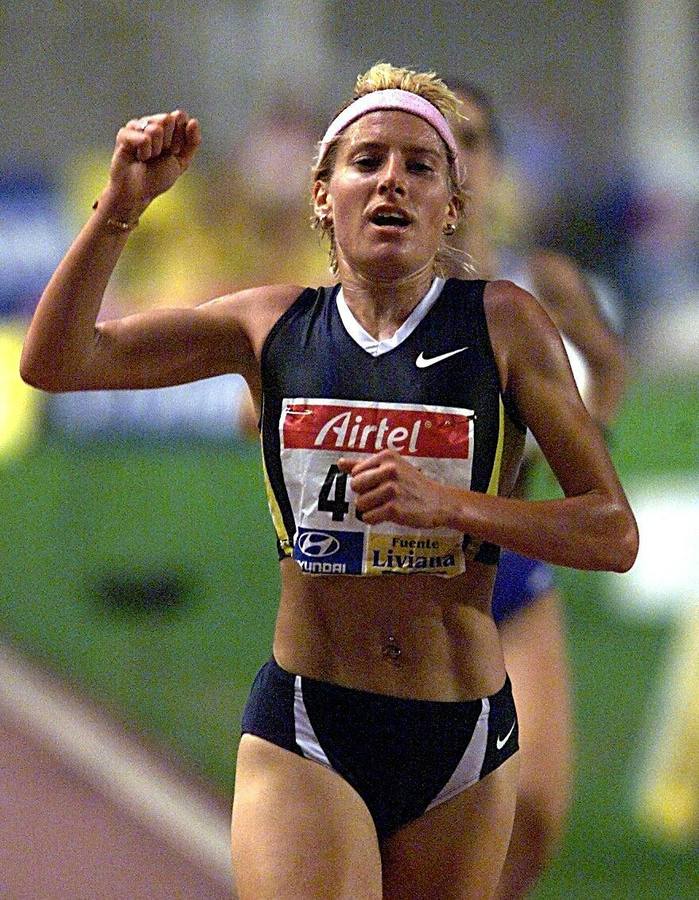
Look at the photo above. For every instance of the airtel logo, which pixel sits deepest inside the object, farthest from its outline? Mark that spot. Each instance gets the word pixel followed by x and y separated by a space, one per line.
pixel 318 544
pixel 351 434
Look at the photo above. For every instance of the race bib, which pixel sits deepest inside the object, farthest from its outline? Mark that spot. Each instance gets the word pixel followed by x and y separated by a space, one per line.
pixel 330 538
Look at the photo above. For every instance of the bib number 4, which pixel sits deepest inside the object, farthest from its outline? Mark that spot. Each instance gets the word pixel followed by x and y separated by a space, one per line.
pixel 333 493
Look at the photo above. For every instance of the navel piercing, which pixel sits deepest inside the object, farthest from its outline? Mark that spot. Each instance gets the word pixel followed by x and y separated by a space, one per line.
pixel 391 650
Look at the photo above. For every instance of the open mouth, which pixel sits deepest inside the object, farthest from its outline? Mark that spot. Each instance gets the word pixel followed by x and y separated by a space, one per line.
pixel 390 220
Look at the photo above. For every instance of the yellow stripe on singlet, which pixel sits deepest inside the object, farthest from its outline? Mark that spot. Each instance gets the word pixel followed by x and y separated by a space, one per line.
pixel 494 484
pixel 277 518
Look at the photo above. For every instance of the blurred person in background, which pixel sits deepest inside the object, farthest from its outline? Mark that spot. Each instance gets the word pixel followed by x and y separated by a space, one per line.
pixel 667 796
pixel 32 241
pixel 527 606
pixel 266 217
pixel 379 753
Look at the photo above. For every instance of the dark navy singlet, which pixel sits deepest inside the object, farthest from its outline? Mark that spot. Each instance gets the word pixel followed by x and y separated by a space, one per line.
pixel 431 393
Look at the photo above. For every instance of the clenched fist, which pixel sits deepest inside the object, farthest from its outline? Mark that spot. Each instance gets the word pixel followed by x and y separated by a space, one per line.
pixel 391 489
pixel 150 155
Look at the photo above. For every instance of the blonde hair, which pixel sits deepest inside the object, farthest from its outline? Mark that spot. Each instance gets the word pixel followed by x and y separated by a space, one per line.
pixel 380 77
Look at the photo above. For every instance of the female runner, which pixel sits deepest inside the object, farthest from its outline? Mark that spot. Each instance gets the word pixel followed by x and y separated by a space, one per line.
pixel 379 748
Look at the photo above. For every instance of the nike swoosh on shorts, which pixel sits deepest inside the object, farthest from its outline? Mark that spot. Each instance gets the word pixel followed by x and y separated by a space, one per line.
pixel 501 743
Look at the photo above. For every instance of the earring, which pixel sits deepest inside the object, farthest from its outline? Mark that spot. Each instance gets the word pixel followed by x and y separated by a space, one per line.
pixel 449 229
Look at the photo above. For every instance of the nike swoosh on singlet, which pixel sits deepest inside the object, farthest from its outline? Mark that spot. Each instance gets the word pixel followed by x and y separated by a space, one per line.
pixel 501 743
pixel 422 363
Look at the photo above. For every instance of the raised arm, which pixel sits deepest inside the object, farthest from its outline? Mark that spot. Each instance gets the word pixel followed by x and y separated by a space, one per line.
pixel 66 350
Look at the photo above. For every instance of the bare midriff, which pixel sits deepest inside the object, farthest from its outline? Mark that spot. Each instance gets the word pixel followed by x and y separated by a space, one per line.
pixel 418 636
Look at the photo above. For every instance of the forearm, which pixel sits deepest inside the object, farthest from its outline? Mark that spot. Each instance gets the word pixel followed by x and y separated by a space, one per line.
pixel 62 333
pixel 608 377
pixel 584 532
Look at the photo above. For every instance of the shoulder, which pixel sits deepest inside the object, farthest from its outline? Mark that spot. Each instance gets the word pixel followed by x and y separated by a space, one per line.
pixel 258 299
pixel 522 333
pixel 552 267
pixel 506 305
pixel 254 310
pixel 573 303
pixel 561 286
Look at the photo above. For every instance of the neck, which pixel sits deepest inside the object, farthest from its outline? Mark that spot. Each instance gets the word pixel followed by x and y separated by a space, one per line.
pixel 381 307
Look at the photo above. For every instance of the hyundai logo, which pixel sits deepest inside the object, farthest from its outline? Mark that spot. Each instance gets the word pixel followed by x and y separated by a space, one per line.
pixel 317 544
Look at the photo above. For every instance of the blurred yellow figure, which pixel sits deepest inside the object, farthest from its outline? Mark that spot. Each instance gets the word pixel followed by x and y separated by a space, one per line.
pixel 171 255
pixel 668 799
pixel 20 405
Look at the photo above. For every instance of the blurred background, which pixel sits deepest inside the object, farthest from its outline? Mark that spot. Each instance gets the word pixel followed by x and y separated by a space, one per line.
pixel 138 575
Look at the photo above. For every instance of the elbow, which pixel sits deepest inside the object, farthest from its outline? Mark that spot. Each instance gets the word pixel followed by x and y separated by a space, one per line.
pixel 29 373
pixel 38 376
pixel 625 544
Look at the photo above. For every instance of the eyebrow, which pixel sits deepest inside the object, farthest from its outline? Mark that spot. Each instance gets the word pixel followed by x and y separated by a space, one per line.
pixel 379 145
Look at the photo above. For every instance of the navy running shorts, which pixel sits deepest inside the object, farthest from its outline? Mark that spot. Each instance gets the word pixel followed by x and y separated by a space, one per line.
pixel 402 756
pixel 519 581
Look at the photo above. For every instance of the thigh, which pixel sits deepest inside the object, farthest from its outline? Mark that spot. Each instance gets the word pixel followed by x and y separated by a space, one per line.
pixel 457 849
pixel 299 830
pixel 533 644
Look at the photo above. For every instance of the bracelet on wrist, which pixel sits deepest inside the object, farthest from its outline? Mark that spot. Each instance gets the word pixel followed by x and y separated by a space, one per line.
pixel 118 224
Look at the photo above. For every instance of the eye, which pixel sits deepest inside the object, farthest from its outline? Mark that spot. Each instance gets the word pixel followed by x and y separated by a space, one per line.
pixel 419 166
pixel 367 163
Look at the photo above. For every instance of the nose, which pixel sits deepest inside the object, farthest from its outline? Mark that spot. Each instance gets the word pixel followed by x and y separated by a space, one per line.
pixel 391 176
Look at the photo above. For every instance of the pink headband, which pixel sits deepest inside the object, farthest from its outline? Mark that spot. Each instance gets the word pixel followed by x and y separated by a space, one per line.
pixel 392 99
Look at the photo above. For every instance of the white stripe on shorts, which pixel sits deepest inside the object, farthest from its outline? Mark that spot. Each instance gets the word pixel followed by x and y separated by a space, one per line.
pixel 469 768
pixel 306 737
